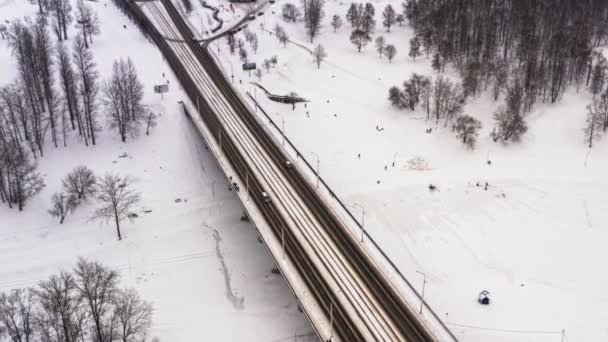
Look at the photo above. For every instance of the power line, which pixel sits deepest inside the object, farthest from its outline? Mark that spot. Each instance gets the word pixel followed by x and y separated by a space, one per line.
pixel 514 331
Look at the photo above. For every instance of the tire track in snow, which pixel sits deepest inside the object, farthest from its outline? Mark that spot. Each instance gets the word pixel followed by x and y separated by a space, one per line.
pixel 237 301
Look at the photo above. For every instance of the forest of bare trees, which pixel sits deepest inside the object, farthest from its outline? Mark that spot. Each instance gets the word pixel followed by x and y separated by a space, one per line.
pixel 57 96
pixel 528 51
pixel 79 306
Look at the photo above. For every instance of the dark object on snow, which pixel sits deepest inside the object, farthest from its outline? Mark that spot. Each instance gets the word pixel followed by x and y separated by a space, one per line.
pixel 484 297
pixel 218 20
pixel 275 270
pixel 432 187
pixel 291 98
pixel 486 187
pixel 244 217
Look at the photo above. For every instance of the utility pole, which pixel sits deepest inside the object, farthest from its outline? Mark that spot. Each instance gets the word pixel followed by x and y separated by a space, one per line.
pixel 423 286
pixel 318 166
pixel 362 220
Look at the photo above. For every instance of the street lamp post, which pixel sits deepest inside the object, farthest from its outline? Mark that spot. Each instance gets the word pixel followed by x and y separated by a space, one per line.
pixel 423 286
pixel 362 220
pixel 318 167
pixel 282 128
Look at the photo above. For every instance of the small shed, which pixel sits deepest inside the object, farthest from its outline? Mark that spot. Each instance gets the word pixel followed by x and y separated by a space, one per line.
pixel 484 297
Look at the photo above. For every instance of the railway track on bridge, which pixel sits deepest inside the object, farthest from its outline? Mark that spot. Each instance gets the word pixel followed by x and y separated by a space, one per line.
pixel 350 288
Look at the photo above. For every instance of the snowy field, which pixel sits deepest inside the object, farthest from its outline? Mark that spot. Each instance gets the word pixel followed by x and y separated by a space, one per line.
pixel 534 238
pixel 202 268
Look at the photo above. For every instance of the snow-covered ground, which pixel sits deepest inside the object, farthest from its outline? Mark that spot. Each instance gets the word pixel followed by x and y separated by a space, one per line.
pixel 535 238
pixel 204 270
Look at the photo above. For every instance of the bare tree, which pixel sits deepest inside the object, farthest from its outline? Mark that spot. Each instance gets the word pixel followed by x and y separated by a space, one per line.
pixel 319 55
pixel 390 51
pixel 150 122
pixel 88 87
pixel 353 15
pixel 380 45
pixel 60 305
pixel 336 22
pixel 267 64
pixel 253 42
pixel 46 68
pixel 467 129
pixel 397 97
pixel 17 313
pixel 243 56
pixel 69 86
pixel 389 17
pixel 367 21
pixel 500 71
pixel 400 19
pixel 281 35
pixel 448 99
pixel 414 48
pixel 62 17
pixel 61 205
pixel 312 17
pixel 290 12
pixel 97 287
pixel 123 95
pixel 359 39
pixel 510 125
pixel 117 199
pixel 80 183
pixel 19 177
pixel 88 22
pixel 134 315
pixel 593 128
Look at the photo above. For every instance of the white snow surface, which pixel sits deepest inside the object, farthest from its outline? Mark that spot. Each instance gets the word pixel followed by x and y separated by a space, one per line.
pixel 202 268
pixel 535 238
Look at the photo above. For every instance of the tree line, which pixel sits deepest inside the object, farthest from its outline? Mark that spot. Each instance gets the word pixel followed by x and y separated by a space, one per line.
pixel 79 306
pixel 529 51
pixel 57 93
